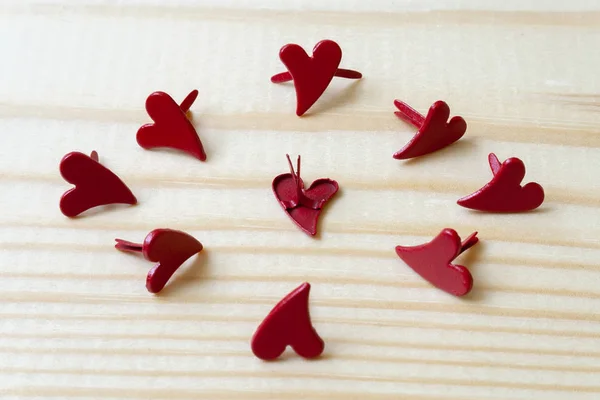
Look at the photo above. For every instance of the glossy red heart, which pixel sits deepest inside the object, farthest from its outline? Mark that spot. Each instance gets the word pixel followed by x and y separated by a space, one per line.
pixel 435 133
pixel 433 261
pixel 288 324
pixel 168 248
pixel 311 75
pixel 305 211
pixel 171 127
pixel 95 185
pixel 504 192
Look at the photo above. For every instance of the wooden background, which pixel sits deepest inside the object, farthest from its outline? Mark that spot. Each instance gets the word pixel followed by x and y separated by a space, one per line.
pixel 76 321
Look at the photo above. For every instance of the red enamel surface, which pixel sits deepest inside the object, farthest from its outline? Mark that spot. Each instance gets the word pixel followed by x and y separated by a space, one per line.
pixel 288 324
pixel 303 205
pixel 433 261
pixel 435 131
pixel 168 249
pixel 171 127
pixel 312 75
pixel 95 185
pixel 504 192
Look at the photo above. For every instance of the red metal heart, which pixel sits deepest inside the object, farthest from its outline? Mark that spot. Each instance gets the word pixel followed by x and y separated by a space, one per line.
pixel 95 185
pixel 169 249
pixel 288 324
pixel 433 261
pixel 311 75
pixel 171 127
pixel 303 205
pixel 504 192
pixel 435 132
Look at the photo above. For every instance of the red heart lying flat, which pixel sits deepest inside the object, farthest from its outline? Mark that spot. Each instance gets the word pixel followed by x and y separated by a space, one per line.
pixel 171 127
pixel 288 324
pixel 95 185
pixel 504 192
pixel 433 261
pixel 435 131
pixel 303 205
pixel 166 247
pixel 311 75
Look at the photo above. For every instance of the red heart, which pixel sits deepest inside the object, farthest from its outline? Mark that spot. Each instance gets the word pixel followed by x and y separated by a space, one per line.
pixel 303 205
pixel 504 192
pixel 95 185
pixel 166 247
pixel 311 75
pixel 288 324
pixel 171 127
pixel 433 261
pixel 435 132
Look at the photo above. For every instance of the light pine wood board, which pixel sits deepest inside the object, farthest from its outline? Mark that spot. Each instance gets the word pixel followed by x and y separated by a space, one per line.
pixel 76 321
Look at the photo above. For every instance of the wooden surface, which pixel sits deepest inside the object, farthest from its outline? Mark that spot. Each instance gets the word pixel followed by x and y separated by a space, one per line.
pixel 76 321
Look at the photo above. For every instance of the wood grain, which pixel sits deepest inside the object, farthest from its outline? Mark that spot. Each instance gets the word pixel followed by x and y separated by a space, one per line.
pixel 75 319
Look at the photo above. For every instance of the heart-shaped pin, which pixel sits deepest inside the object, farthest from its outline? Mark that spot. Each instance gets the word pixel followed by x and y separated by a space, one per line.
pixel 435 131
pixel 433 261
pixel 312 75
pixel 95 185
pixel 303 205
pixel 171 127
pixel 168 249
pixel 288 324
pixel 504 192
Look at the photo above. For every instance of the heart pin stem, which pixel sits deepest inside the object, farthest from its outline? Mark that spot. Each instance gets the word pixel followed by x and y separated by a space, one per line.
pixel 340 73
pixel 189 101
pixel 468 243
pixel 131 247
pixel 409 114
pixel 301 198
pixel 296 175
pixel 495 164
